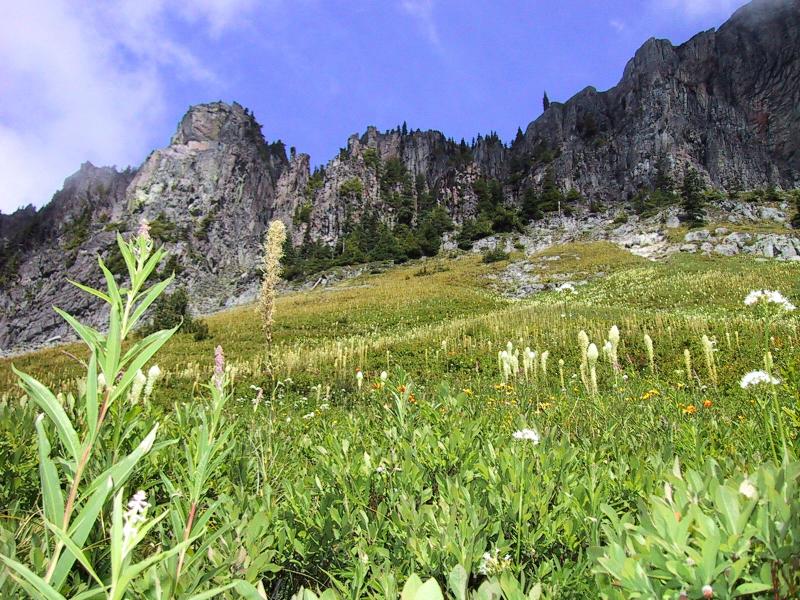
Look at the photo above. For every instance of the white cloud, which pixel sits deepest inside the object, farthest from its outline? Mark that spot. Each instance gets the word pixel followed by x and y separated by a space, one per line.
pixel 618 25
pixel 87 83
pixel 422 12
pixel 696 9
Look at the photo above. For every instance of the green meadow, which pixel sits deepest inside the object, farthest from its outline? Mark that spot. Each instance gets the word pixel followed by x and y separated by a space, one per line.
pixel 412 431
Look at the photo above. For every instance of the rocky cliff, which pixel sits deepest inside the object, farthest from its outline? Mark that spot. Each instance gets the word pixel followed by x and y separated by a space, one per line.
pixel 725 103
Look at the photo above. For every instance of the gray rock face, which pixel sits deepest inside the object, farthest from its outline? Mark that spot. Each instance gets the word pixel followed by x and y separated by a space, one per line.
pixel 724 102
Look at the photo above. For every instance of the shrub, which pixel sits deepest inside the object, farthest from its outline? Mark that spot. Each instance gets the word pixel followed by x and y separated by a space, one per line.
pixel 796 218
pixel 172 311
pixel 621 218
pixel 495 255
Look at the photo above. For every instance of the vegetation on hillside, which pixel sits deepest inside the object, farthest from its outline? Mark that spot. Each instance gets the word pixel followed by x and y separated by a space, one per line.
pixel 635 435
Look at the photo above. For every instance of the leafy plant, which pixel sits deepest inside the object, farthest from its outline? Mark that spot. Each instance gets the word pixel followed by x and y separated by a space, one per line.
pixel 707 537
pixel 93 460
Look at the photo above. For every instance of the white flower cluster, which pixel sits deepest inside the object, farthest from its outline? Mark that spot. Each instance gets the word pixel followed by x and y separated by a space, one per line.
pixel 527 434
pixel 769 297
pixel 142 386
pixel 754 378
pixel 492 564
pixel 508 361
pixel 137 509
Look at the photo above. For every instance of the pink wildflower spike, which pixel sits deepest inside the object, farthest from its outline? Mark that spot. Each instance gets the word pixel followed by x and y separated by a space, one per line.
pixel 219 367
pixel 144 230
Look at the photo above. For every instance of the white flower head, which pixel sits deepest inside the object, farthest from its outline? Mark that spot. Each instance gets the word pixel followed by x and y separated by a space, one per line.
pixel 527 434
pixel 747 489
pixel 384 376
pixel 592 353
pixel 567 287
pixel 492 564
pixel 136 514
pixel 308 416
pixel 152 376
pixel 754 378
pixel 769 297
pixel 137 387
pixel 708 591
pixel 583 339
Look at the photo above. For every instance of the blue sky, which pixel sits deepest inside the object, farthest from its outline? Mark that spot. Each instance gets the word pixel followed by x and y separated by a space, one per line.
pixel 108 81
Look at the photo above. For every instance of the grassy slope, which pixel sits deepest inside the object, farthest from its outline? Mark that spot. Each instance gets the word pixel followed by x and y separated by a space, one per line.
pixel 446 327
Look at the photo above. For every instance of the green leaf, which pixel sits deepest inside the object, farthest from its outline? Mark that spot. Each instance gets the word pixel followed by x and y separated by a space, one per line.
pixel 88 594
pixel 121 470
pixel 90 336
pixel 41 588
pixel 111 284
pixel 536 592
pixel 158 339
pixel 133 571
pixel 79 530
pixel 153 293
pixel 75 551
pixel 91 291
pixel 413 584
pixel 116 541
pixel 52 496
pixel 151 264
pixel 458 579
pixel 429 591
pixel 215 591
pixel 127 255
pixel 752 588
pixel 91 396
pixel 113 343
pixel 45 399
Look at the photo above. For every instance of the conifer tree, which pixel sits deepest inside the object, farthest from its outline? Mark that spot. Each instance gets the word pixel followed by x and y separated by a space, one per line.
pixel 692 199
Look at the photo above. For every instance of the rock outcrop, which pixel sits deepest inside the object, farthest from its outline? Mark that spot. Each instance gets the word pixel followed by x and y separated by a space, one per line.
pixel 725 103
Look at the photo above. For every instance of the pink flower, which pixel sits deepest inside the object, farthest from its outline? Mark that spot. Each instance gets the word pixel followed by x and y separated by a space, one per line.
pixel 144 230
pixel 219 368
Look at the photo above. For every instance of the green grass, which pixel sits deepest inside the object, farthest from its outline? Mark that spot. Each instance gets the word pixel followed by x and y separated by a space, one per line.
pixel 421 473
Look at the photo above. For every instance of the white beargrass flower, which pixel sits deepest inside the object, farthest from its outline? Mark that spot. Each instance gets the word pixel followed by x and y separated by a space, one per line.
pixel 530 435
pixel 567 287
pixel 137 387
pixel 384 376
pixel 754 378
pixel 769 297
pixel 271 269
pixel 359 378
pixel 592 354
pixel 708 591
pixel 648 344
pixel 153 375
pixel 747 489
pixel 708 353
pixel 687 361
